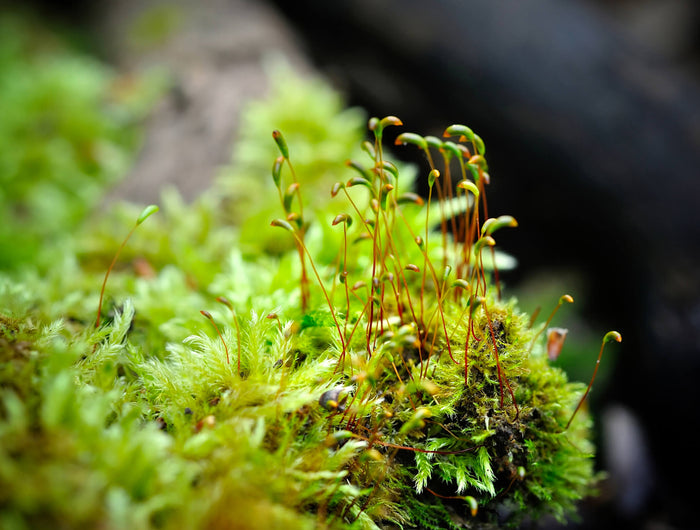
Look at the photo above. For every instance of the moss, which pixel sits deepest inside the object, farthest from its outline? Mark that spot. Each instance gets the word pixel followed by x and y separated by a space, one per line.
pixel 367 373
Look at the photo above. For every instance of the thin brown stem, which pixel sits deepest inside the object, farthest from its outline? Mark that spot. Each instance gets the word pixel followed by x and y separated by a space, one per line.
pixel 611 335
pixel 208 316
pixel 109 270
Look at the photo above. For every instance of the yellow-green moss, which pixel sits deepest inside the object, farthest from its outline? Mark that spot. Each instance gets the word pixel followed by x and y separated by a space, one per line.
pixel 142 422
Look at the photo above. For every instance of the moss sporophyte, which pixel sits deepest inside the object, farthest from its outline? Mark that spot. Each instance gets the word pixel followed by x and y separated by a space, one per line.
pixel 360 368
pixel 490 426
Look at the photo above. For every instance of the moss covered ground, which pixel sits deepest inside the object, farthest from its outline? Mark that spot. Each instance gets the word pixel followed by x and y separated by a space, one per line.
pixel 309 344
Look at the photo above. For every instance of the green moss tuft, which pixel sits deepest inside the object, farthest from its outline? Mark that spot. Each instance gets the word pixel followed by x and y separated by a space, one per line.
pixel 383 381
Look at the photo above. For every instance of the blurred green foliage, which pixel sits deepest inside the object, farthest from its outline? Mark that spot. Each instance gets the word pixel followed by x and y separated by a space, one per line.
pixel 69 128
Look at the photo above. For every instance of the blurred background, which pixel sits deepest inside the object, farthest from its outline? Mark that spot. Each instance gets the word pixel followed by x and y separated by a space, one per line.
pixel 590 110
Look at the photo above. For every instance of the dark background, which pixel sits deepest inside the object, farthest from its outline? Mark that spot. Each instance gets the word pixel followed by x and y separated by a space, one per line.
pixel 591 115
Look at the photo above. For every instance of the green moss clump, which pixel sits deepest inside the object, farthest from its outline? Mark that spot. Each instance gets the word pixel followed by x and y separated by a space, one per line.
pixel 364 371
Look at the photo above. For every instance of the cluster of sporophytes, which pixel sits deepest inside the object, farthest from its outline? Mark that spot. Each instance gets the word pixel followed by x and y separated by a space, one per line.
pixel 354 365
pixel 431 369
